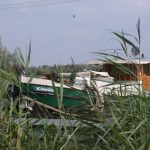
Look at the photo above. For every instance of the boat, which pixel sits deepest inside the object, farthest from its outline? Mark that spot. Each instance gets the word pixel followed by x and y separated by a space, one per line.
pixel 50 94
pixel 135 79
pixel 87 84
pixel 90 77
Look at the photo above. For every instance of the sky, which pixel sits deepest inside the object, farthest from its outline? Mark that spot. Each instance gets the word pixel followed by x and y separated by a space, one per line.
pixel 63 29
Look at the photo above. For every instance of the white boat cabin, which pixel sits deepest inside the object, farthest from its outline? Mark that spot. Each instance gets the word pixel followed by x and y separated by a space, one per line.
pixel 100 78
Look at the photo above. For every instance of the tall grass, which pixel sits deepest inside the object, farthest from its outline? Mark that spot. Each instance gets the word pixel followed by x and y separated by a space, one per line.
pixel 124 123
pixel 23 135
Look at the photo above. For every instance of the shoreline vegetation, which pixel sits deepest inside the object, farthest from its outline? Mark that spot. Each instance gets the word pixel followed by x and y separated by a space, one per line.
pixel 124 124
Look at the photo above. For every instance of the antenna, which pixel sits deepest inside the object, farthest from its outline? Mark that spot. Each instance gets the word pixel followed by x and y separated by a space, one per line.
pixel 135 51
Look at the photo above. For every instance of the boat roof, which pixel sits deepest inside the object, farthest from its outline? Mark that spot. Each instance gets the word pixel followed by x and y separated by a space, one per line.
pixel 105 74
pixel 83 74
pixel 119 61
pixel 39 81
pixel 88 73
pixel 65 74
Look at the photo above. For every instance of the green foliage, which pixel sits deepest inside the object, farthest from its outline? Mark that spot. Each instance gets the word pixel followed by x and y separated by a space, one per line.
pixel 7 59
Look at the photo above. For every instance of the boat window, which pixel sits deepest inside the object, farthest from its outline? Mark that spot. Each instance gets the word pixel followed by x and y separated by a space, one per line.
pixel 146 69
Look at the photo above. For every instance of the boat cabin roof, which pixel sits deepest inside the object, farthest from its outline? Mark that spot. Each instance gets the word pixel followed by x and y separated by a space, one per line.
pixel 120 61
pixel 90 72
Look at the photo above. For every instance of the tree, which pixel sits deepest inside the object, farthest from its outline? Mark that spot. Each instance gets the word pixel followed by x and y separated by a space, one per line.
pixel 7 59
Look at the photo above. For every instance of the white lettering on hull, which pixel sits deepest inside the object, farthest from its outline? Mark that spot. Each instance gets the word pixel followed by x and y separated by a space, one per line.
pixel 44 89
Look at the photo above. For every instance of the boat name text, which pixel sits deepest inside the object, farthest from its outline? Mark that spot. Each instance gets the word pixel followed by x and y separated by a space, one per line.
pixel 44 89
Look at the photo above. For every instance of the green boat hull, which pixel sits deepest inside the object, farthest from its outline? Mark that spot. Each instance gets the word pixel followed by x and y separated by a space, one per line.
pixel 56 96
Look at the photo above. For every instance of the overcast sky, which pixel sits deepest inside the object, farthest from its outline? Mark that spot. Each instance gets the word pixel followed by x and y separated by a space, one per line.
pixel 61 29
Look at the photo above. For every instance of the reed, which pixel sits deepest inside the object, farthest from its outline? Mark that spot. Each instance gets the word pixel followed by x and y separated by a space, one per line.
pixel 124 123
